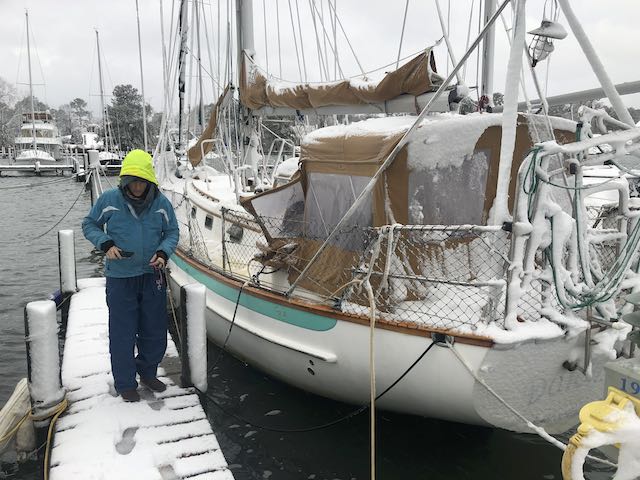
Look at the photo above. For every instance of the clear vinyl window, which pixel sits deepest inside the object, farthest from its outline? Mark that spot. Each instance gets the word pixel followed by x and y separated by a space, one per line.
pixel 329 196
pixel 449 195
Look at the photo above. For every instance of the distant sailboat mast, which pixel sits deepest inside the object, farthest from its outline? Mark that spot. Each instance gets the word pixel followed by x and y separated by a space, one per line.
pixel 33 112
pixel 104 111
pixel 144 108
pixel 184 27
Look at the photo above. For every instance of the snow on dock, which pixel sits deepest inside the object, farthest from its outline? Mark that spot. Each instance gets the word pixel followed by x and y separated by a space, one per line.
pixel 165 436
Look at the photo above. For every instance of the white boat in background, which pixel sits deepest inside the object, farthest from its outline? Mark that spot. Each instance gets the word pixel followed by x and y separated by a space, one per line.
pixel 38 140
pixel 454 260
pixel 38 145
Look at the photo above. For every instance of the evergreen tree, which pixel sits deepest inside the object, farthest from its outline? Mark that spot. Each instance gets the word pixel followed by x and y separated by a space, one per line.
pixel 125 114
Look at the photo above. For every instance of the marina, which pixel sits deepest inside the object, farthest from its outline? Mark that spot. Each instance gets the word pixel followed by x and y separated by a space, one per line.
pixel 343 270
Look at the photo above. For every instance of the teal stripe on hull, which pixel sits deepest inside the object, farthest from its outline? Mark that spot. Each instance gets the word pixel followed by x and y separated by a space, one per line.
pixel 293 316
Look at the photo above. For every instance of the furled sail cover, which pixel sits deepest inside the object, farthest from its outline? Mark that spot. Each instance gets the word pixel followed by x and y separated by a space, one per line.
pixel 415 77
pixel 195 152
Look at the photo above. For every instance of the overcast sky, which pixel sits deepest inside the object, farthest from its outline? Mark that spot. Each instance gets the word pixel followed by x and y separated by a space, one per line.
pixel 64 36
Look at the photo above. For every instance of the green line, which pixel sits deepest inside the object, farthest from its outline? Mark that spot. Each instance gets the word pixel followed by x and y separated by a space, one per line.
pixel 292 316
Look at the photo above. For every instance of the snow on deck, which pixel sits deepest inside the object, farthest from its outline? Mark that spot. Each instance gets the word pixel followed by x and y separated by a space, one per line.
pixel 165 436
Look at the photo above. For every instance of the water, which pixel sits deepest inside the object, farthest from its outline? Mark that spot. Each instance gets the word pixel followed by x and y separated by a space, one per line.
pixel 407 447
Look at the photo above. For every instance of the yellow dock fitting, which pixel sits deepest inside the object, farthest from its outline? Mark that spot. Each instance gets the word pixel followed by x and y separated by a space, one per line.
pixel 605 422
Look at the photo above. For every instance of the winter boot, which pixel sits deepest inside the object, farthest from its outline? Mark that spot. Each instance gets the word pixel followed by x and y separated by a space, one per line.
pixel 130 396
pixel 153 384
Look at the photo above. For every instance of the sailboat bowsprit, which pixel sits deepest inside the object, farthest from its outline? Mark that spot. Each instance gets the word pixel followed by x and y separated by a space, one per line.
pixel 399 224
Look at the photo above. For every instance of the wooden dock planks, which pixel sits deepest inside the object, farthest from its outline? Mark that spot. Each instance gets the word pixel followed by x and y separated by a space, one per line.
pixel 166 436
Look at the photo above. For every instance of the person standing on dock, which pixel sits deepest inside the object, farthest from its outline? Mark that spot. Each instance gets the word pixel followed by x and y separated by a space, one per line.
pixel 141 234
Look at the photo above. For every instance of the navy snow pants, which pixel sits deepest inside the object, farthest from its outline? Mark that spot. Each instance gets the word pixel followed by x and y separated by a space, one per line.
pixel 137 318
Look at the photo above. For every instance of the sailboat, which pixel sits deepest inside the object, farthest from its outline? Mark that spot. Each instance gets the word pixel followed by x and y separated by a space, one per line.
pixel 109 154
pixel 38 142
pixel 460 263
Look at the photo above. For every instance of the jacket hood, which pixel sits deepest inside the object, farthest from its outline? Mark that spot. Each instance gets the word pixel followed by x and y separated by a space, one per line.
pixel 138 163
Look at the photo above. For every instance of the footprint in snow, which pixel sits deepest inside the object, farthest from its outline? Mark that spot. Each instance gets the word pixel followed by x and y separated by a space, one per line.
pixel 127 442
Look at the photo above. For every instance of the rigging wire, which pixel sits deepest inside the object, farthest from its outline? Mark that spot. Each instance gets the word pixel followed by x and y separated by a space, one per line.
pixel 404 22
pixel 478 87
pixel 278 28
pixel 335 37
pixel 367 73
pixel 347 38
pixel 44 85
pixel 324 41
pixel 304 61
pixel 266 43
pixel 466 45
pixel 215 86
pixel 219 47
pixel 295 41
pixel 321 66
pixel 20 55
pixel 333 47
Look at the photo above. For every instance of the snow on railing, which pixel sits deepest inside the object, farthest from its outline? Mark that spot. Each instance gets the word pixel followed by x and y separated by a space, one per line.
pixel 582 259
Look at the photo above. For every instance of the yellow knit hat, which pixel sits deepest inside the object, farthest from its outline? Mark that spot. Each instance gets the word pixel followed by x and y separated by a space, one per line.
pixel 138 163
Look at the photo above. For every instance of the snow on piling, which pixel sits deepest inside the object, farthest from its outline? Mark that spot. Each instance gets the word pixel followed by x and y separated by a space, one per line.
pixel 194 343
pixel 94 169
pixel 67 261
pixel 43 357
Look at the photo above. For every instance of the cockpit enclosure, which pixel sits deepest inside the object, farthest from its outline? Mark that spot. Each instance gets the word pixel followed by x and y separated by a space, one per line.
pixel 443 184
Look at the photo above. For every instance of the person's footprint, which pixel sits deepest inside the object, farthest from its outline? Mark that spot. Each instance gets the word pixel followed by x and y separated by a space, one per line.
pixel 152 401
pixel 127 442
pixel 167 472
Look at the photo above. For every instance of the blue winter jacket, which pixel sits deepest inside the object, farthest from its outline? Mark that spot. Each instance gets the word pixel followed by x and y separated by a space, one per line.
pixel 156 228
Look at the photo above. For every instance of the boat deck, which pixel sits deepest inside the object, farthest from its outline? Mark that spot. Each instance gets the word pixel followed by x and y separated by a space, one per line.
pixel 166 436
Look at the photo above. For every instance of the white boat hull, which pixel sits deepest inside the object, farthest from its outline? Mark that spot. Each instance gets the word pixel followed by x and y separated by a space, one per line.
pixel 334 362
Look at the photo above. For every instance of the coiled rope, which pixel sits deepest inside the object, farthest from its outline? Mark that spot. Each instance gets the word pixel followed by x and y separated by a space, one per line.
pixel 53 413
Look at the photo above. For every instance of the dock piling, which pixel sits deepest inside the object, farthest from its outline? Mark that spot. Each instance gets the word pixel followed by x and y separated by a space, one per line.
pixel 43 360
pixel 194 336
pixel 67 262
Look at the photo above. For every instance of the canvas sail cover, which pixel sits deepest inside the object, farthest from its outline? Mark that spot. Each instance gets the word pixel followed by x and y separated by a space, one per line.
pixel 415 77
pixel 195 152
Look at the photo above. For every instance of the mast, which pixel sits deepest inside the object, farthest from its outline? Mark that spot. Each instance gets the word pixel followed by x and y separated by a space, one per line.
pixel 33 112
pixel 104 112
pixel 244 19
pixel 184 27
pixel 144 107
pixel 196 7
pixel 488 51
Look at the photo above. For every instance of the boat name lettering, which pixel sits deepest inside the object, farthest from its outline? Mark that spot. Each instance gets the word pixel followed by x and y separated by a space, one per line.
pixel 631 387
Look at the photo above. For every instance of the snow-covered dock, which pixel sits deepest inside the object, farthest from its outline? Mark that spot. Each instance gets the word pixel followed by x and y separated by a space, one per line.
pixel 164 436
